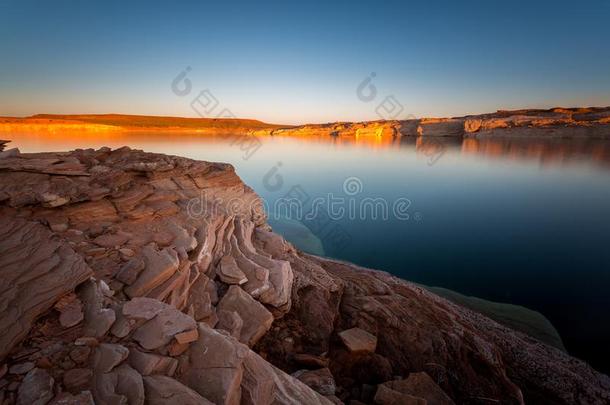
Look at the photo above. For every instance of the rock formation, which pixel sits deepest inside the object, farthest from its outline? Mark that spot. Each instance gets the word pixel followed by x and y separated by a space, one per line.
pixel 131 277
pixel 587 123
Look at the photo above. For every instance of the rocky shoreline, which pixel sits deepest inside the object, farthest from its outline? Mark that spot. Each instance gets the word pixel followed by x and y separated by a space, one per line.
pixel 130 277
pixel 561 123
pixel 590 123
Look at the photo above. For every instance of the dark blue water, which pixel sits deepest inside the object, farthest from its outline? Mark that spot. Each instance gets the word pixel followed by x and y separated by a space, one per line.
pixel 523 222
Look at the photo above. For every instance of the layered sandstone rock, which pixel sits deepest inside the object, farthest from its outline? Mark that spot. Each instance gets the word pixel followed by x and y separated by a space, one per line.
pixel 131 277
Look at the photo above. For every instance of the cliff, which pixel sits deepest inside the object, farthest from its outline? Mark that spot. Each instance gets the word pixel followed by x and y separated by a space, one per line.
pixel 588 123
pixel 131 277
pixel 554 123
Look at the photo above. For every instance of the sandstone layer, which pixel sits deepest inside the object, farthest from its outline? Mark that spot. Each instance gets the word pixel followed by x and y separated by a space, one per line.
pixel 589 123
pixel 132 278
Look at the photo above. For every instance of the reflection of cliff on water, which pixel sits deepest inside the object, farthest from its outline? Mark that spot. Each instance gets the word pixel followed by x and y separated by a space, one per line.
pixel 544 151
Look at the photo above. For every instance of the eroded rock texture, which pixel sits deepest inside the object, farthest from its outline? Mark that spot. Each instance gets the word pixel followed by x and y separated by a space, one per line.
pixel 132 278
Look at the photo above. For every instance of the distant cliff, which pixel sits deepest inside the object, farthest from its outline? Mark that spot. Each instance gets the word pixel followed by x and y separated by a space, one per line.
pixel 593 122
pixel 556 123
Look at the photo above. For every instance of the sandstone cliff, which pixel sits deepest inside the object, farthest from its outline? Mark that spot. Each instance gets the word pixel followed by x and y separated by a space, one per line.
pixel 592 123
pixel 130 278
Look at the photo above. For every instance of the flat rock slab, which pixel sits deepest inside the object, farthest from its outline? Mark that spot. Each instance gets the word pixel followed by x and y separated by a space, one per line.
pixel 36 270
pixel 358 340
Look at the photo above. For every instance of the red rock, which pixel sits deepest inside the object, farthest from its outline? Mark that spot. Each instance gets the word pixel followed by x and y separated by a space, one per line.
pixel 80 354
pixel 36 388
pixel 256 318
pixel 161 390
pixel 160 265
pixel 187 337
pixel 358 340
pixel 77 379
pixel 149 363
pixel 387 396
pixel 160 330
pixel 421 385
pixel 108 356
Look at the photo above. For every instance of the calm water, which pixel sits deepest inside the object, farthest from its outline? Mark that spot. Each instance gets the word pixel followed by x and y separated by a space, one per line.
pixel 507 220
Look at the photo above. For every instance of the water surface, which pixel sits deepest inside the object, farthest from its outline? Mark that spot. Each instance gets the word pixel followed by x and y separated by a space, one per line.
pixel 509 220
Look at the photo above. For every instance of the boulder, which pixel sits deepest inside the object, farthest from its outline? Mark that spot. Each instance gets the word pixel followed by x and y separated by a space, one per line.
pixel 421 385
pixel 358 340
pixel 160 330
pixel 263 383
pixel 231 322
pixel 160 265
pixel 108 356
pixel 36 388
pixel 123 385
pixel 98 319
pixel 214 366
pixel 36 269
pixel 77 379
pixel 256 318
pixel 229 273
pixel 149 363
pixel 387 396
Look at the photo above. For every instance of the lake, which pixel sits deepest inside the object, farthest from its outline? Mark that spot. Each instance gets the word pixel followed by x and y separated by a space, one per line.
pixel 509 220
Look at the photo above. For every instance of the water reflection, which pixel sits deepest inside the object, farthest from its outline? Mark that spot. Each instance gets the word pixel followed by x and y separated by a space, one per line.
pixel 540 150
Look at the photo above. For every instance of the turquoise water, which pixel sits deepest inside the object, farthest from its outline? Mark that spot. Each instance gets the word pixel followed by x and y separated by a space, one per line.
pixel 523 222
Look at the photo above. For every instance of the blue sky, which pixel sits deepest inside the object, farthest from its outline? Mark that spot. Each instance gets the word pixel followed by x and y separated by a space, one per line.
pixel 297 62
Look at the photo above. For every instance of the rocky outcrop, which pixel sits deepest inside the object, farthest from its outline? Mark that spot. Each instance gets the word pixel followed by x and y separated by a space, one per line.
pixel 131 277
pixel 590 123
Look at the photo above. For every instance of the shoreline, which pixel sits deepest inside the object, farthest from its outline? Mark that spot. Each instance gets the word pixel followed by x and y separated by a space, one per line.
pixel 587 123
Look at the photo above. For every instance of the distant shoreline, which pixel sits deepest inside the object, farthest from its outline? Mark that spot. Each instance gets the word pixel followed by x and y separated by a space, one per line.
pixel 590 122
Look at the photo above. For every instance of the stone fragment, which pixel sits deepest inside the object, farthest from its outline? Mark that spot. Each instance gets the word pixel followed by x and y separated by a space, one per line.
pixel 256 318
pixel 214 366
pixel 321 380
pixel 129 271
pixel 21 368
pixel 123 385
pixel 36 269
pixel 77 379
pixel 142 308
pixel 231 322
pixel 108 356
pixel 229 272
pixel 160 330
pixel 70 311
pixel 109 240
pixel 263 383
pixel 160 265
pixel 162 390
pixel 86 341
pixel 98 319
pixel 80 354
pixel 421 385
pixel 387 396
pixel 149 363
pixel 187 337
pixel 358 340
pixel 176 349
pixel 36 388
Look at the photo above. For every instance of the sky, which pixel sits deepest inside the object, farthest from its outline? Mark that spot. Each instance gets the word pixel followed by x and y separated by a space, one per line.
pixel 293 62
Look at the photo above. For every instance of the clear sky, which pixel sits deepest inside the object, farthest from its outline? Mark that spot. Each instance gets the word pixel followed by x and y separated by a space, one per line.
pixel 297 62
